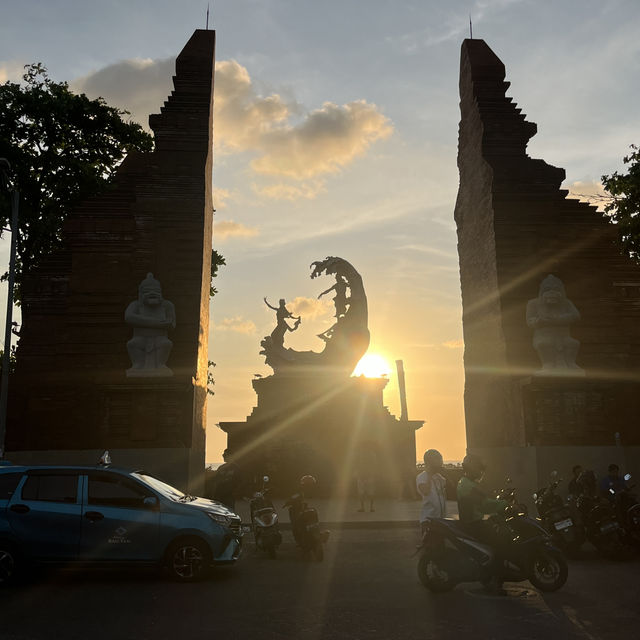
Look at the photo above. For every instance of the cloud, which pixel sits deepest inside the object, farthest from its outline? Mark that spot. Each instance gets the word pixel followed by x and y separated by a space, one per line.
pixel 281 191
pixel 230 229
pixel 237 324
pixel 220 197
pixel 453 344
pixel 11 70
pixel 328 139
pixel 241 116
pixel 139 85
pixel 310 308
pixel 286 140
pixel 590 190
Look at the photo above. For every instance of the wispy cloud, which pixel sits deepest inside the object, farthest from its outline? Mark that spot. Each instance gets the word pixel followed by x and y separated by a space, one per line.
pixel 229 229
pixel 310 308
pixel 280 191
pixel 236 324
pixel 221 197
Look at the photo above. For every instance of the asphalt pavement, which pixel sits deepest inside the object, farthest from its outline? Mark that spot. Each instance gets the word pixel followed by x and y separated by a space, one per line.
pixel 365 588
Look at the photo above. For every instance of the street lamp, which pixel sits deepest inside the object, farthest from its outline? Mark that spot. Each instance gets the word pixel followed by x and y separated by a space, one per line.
pixel 5 169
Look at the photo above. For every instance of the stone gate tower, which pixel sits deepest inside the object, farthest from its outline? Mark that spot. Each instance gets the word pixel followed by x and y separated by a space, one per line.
pixel 109 357
pixel 551 363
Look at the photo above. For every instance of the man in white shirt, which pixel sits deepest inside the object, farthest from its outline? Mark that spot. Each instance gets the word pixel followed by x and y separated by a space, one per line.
pixel 432 487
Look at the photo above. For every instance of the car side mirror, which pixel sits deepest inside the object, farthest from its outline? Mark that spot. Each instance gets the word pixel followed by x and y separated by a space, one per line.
pixel 151 502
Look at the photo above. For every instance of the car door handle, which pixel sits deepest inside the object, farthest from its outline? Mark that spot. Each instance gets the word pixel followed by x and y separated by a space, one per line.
pixel 94 516
pixel 20 508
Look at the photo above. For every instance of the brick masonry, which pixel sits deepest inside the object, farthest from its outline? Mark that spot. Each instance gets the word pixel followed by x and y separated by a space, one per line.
pixel 70 391
pixel 515 226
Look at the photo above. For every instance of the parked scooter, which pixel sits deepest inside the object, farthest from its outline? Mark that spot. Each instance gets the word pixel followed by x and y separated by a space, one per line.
pixel 264 520
pixel 564 528
pixel 304 522
pixel 599 517
pixel 449 555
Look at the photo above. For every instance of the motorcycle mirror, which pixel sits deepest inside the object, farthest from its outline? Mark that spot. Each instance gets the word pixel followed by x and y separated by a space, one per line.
pixel 265 479
pixel 627 477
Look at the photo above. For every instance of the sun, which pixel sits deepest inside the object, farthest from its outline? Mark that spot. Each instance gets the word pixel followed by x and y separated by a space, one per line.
pixel 372 365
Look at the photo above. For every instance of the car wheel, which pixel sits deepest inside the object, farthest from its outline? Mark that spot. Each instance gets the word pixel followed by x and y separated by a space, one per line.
pixel 188 560
pixel 9 564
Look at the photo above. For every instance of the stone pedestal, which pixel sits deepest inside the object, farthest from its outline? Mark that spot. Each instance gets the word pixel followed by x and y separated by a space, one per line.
pixel 318 425
pixel 574 411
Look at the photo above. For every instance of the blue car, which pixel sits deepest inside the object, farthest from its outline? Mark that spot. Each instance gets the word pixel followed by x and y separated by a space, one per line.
pixel 106 515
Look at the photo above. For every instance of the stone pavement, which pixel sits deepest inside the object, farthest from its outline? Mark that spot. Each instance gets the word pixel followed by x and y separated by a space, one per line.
pixel 343 512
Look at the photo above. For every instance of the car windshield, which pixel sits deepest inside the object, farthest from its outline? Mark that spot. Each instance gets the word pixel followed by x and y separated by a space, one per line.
pixel 164 488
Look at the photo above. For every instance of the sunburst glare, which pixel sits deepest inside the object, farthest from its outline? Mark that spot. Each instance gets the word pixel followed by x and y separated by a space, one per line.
pixel 372 365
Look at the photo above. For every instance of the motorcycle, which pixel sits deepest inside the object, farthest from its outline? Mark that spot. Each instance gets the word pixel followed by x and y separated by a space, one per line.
pixel 264 520
pixel 628 513
pixel 601 524
pixel 564 528
pixel 306 527
pixel 449 555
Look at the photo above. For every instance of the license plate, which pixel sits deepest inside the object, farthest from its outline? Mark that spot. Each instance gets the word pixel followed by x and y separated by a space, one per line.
pixel 611 526
pixel 563 524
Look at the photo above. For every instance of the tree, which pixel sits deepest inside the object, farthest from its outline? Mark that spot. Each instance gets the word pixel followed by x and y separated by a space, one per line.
pixel 63 148
pixel 623 202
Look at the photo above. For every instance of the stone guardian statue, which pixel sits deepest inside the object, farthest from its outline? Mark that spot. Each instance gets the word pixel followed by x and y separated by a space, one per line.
pixel 151 318
pixel 550 315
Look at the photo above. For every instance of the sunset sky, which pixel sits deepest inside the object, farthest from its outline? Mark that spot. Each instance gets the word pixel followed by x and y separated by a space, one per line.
pixel 336 134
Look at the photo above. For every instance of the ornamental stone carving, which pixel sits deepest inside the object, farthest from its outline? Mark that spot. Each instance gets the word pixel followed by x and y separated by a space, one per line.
pixel 550 315
pixel 151 318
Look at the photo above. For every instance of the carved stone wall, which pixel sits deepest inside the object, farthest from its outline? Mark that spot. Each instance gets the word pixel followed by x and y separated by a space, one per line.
pixel 70 390
pixel 516 226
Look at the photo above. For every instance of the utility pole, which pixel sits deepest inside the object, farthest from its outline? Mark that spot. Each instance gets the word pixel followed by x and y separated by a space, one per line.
pixel 5 168
pixel 404 414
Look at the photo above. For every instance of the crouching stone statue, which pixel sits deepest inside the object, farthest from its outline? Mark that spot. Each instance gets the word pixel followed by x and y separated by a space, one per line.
pixel 151 317
pixel 549 315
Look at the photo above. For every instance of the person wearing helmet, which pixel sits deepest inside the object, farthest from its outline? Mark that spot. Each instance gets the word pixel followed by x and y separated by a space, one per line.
pixel 431 486
pixel 473 505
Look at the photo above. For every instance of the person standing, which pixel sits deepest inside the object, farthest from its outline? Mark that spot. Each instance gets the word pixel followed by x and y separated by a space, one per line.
pixel 431 485
pixel 365 476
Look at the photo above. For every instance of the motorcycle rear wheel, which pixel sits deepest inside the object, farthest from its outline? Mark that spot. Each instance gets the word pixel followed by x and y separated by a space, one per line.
pixel 548 569
pixel 434 573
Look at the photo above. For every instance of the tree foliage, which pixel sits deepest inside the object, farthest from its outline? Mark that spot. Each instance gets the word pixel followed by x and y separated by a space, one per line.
pixel 63 148
pixel 217 261
pixel 624 205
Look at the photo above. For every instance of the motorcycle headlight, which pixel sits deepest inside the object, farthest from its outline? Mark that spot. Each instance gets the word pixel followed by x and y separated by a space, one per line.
pixel 219 519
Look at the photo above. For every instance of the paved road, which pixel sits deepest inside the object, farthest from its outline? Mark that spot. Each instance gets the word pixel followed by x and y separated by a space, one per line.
pixel 366 588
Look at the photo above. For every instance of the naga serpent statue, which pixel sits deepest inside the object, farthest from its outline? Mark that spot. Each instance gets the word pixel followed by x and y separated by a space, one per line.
pixel 345 342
